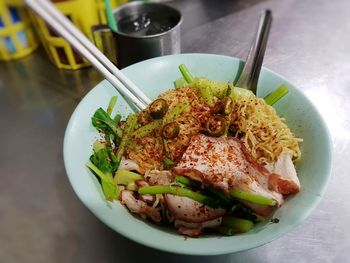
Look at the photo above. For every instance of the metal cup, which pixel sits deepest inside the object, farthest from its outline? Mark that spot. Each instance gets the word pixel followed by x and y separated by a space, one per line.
pixel 132 49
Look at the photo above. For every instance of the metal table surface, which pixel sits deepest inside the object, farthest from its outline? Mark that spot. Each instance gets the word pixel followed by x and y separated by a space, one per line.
pixel 41 219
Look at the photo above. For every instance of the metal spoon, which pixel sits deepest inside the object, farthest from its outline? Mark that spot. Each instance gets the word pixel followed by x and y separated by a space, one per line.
pixel 251 70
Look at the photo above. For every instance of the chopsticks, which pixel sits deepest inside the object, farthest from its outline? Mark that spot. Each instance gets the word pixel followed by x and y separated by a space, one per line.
pixel 54 18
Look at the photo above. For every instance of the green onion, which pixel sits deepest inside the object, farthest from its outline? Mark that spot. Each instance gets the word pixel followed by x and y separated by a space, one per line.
pixel 237 224
pixel 185 73
pixel 180 191
pixel 111 105
pixel 256 199
pixel 276 95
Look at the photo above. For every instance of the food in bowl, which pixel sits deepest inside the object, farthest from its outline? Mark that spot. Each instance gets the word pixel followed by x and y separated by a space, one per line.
pixel 204 156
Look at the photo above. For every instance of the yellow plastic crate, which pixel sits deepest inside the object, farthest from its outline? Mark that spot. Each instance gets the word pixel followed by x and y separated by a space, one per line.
pixel 17 36
pixel 83 13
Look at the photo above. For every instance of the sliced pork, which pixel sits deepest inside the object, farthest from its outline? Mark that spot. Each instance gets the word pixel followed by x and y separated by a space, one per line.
pixel 139 207
pixel 191 211
pixel 226 164
pixel 283 177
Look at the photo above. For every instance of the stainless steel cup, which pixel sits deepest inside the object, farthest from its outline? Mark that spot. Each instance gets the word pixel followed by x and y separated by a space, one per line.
pixel 132 49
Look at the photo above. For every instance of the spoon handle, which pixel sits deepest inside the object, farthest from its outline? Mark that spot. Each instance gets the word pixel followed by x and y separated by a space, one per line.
pixel 251 70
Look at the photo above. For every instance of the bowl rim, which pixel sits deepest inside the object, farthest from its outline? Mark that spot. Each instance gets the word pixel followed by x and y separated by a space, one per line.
pixel 180 249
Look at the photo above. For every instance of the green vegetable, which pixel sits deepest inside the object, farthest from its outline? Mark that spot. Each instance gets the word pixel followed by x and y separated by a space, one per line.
pixel 225 199
pixel 129 126
pixel 227 231
pixel 187 182
pixel 109 188
pixel 276 95
pixel 237 224
pixel 180 191
pixel 103 161
pixel 98 146
pixel 241 211
pixel 256 199
pixel 102 121
pixel 168 164
pixel 117 118
pixel 185 73
pixel 180 82
pixel 183 180
pixel 126 177
pixel 211 88
pixel 111 105
pixel 147 129
pixel 176 111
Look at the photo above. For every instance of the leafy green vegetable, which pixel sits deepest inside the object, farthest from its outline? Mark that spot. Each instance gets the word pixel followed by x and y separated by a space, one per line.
pixel 276 95
pixel 103 161
pixel 117 118
pixel 109 188
pixel 102 121
pixel 241 211
pixel 225 199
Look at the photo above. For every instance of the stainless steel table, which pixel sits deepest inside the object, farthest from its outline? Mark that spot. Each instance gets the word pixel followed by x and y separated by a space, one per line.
pixel 41 219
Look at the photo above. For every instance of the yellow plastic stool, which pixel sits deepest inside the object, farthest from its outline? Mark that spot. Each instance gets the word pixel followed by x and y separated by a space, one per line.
pixel 83 13
pixel 17 37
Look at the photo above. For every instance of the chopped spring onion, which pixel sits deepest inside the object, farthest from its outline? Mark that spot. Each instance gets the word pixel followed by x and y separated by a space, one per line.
pixel 276 95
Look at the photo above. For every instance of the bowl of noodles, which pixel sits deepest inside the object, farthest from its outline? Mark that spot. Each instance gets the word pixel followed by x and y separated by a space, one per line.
pixel 228 170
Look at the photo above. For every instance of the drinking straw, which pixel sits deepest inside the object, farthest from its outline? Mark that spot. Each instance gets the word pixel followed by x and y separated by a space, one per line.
pixel 110 17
